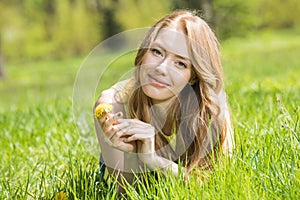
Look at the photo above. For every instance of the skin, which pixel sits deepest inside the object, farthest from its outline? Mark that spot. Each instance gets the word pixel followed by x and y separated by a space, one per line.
pixel 165 71
pixel 166 68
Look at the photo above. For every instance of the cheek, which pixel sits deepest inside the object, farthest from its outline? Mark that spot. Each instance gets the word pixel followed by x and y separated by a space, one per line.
pixel 187 75
pixel 146 59
pixel 150 60
pixel 181 78
pixel 143 72
pixel 147 66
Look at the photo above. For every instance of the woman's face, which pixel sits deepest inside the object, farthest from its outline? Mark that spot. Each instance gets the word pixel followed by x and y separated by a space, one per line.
pixel 166 67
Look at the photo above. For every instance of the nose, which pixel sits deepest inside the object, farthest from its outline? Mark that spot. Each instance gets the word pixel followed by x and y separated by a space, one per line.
pixel 162 67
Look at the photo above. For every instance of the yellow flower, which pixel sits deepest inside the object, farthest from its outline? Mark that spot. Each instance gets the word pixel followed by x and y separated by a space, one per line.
pixel 102 109
pixel 61 196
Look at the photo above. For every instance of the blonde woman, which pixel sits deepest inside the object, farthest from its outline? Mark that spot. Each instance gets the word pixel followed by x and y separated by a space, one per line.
pixel 173 109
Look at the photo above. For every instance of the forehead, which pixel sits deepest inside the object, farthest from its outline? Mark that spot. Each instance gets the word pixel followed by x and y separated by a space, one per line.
pixel 173 41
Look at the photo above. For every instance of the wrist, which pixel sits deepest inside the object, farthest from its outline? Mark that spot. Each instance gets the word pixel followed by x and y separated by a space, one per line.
pixel 131 162
pixel 148 159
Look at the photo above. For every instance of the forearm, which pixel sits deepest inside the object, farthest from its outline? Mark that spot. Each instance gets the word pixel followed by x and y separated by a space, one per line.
pixel 155 162
pixel 148 157
pixel 131 162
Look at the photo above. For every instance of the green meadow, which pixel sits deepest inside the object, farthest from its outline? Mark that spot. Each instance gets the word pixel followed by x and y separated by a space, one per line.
pixel 44 158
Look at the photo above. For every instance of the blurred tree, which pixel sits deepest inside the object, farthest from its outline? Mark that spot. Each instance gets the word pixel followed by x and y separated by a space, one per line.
pixel 109 26
pixel 141 13
pixel 4 4
pixel 39 29
pixel 204 6
pixel 278 15
pixel 1 59
pixel 49 8
pixel 75 31
pixel 235 17
pixel 226 17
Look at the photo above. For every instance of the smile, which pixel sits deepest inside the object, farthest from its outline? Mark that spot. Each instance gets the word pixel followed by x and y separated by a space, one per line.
pixel 157 82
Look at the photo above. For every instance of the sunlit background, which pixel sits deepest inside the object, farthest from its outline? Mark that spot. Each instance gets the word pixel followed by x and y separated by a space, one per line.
pixel 44 44
pixel 43 29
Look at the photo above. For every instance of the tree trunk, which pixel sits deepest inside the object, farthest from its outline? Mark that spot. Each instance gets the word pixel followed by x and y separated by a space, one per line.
pixel 204 6
pixel 1 67
pixel 1 60
pixel 50 9
pixel 110 26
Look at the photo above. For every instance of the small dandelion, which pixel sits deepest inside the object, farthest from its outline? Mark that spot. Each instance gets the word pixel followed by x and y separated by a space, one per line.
pixel 102 109
pixel 61 196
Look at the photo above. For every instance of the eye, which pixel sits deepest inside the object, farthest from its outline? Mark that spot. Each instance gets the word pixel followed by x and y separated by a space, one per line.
pixel 181 64
pixel 156 52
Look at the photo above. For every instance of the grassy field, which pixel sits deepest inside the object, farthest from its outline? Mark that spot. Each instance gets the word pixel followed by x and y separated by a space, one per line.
pixel 44 158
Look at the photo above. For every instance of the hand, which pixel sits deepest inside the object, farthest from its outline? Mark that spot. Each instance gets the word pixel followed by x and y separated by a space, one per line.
pixel 135 130
pixel 115 138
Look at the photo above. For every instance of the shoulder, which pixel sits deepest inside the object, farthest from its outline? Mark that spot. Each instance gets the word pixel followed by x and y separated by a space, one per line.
pixel 224 116
pixel 220 103
pixel 112 95
pixel 122 85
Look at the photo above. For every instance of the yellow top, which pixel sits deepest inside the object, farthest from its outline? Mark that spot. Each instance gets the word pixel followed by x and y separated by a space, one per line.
pixel 171 138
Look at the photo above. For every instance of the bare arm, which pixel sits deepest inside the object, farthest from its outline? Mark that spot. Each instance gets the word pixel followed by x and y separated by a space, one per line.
pixel 117 161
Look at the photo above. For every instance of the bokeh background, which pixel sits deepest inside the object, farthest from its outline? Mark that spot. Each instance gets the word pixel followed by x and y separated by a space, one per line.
pixel 44 29
pixel 44 44
pixel 38 36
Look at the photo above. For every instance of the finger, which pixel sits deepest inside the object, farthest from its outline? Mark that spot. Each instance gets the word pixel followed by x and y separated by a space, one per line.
pixel 125 120
pixel 113 119
pixel 129 130
pixel 101 120
pixel 113 132
pixel 115 138
pixel 130 139
pixel 120 126
pixel 110 132
pixel 124 129
pixel 109 129
pixel 134 122
pixel 107 116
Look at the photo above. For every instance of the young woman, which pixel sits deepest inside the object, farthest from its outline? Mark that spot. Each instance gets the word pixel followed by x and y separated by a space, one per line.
pixel 174 108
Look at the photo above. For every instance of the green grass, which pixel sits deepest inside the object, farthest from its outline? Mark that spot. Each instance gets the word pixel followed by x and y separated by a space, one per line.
pixel 43 156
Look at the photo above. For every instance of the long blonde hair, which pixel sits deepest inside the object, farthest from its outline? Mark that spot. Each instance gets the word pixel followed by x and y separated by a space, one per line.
pixel 203 129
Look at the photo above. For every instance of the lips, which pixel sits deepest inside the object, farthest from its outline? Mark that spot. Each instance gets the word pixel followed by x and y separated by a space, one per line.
pixel 157 82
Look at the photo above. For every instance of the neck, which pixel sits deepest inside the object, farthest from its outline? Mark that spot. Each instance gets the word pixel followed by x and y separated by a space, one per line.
pixel 162 118
pixel 164 104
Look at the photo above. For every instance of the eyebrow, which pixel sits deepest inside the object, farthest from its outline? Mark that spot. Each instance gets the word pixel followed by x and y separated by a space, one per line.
pixel 161 47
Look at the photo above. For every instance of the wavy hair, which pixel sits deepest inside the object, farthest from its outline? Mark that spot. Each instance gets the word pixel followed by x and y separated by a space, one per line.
pixel 203 129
